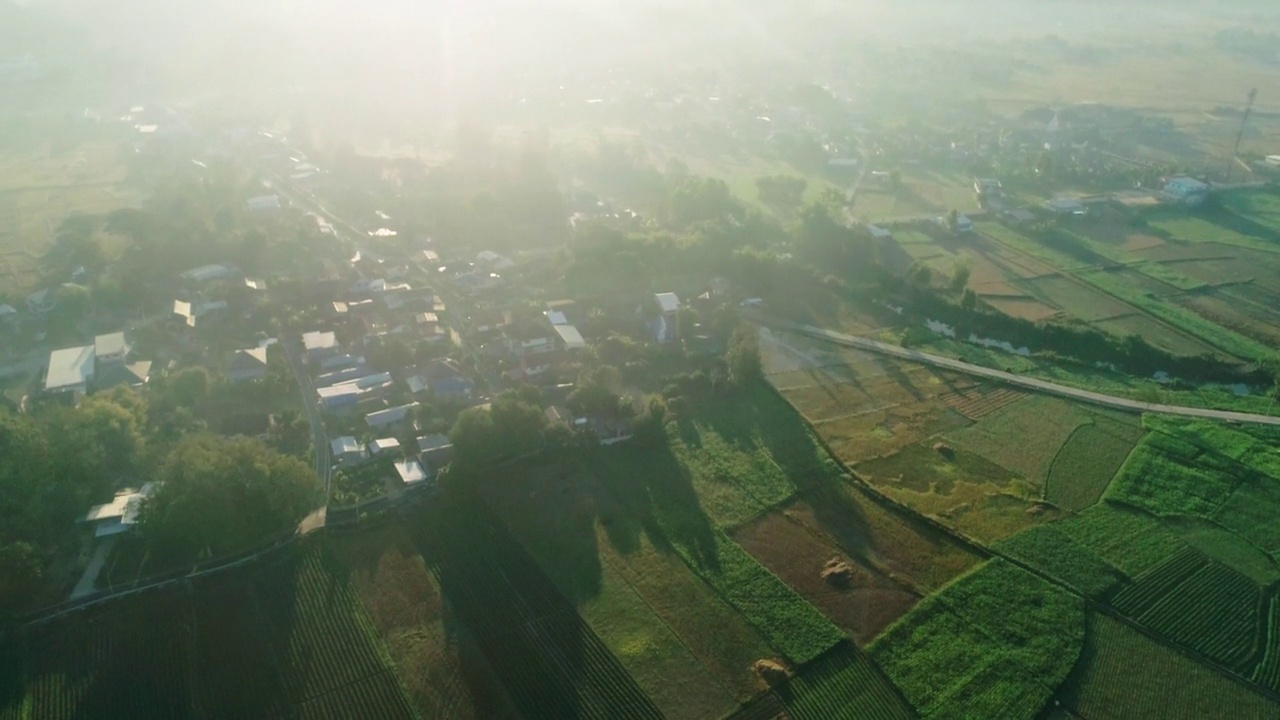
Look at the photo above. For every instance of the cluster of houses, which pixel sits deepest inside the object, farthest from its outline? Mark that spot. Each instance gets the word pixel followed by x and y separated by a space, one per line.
pixel 100 366
pixel 415 465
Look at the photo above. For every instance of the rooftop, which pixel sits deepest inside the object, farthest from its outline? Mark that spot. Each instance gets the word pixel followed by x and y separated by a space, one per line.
pixel 384 444
pixel 668 302
pixel 111 344
pixel 410 472
pixel 344 445
pixel 571 337
pixel 317 340
pixel 69 368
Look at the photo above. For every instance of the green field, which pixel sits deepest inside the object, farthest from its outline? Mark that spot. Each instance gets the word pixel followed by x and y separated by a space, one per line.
pixel 843 684
pixel 1128 539
pixel 1041 424
pixel 995 643
pixel 1056 554
pixel 284 637
pixel 1084 466
pixel 1123 674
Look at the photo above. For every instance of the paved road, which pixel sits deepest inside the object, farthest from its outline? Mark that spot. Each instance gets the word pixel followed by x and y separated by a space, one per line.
pixel 1112 401
pixel 319 438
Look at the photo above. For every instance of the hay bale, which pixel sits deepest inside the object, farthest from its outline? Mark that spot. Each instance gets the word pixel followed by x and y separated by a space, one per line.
pixel 773 673
pixel 837 572
pixel 944 450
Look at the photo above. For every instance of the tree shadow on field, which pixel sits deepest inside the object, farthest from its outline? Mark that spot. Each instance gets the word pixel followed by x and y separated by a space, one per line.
pixel 655 498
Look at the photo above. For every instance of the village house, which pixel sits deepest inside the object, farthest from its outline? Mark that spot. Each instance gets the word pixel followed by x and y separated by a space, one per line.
pixel 346 450
pixel 666 326
pixel 390 416
pixel 246 365
pixel 121 514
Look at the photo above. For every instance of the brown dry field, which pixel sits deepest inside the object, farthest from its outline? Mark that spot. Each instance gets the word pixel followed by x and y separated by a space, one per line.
pixel 1138 242
pixel 796 554
pixel 441 668
pixel 977 401
pixel 882 432
pixel 1232 315
pixel 904 548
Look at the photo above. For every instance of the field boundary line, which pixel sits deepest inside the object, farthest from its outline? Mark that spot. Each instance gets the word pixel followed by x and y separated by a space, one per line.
pixel 986 553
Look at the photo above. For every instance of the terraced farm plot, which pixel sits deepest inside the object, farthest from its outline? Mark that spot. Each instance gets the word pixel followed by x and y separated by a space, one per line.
pixel 996 643
pixel 286 637
pixel 1267 673
pixel 1125 537
pixel 442 669
pixel 861 600
pixel 1203 605
pixel 895 543
pixel 1083 468
pixel 843 684
pixel 1076 299
pixel 962 489
pixel 1228 548
pixel 1123 674
pixel 1153 480
pixel 1059 556
pixel 1024 437
pixel 1026 308
pixel 978 401
pixel 551 663
pixel 1158 334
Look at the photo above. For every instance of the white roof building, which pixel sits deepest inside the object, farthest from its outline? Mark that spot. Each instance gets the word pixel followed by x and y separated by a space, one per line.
pixel 205 273
pixel 263 202
pixel 411 472
pixel 390 416
pixel 316 341
pixel 556 317
pixel 667 302
pixel 121 514
pixel 70 369
pixel 110 347
pixel 345 445
pixel 383 445
pixel 570 336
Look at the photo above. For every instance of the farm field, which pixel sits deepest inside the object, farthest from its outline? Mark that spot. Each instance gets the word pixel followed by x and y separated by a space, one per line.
pixel 995 643
pixel 40 186
pixel 962 489
pixel 437 660
pixel 1058 555
pixel 1041 425
pixel 167 653
pixel 1129 539
pixel 1123 674
pixel 1083 468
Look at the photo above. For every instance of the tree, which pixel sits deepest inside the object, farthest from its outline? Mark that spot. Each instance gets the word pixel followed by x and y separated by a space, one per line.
pixel 508 428
pixel 969 301
pixel 960 276
pixel 291 434
pixel 743 356
pixel 224 495
pixel 953 221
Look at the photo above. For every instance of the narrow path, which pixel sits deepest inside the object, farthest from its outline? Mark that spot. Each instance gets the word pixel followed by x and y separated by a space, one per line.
pixel 1111 401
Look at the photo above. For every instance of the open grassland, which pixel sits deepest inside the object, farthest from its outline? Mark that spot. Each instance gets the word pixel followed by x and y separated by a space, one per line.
pixel 1123 674
pixel 40 186
pixel 1203 605
pixel 437 660
pixel 285 638
pixel 1083 468
pixel 1024 437
pixel 995 643
pixel 962 489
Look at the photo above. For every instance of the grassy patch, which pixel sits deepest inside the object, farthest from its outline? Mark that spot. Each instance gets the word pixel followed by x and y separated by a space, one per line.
pixel 1059 556
pixel 1083 468
pixel 993 644
pixel 1124 674
pixel 1024 436
pixel 1127 538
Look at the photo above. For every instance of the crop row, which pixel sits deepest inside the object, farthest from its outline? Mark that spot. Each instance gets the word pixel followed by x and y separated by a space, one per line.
pixel 312 617
pixel 551 662
pixel 377 696
pixel 843 683
pixel 1214 611
pixel 1268 671
pixel 1151 586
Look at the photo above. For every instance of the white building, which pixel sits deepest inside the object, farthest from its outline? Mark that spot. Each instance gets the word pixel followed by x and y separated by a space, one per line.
pixel 665 327
pixel 382 445
pixel 346 449
pixel 248 364
pixel 262 203
pixel 411 472
pixel 320 344
pixel 70 369
pixel 121 514
pixel 111 348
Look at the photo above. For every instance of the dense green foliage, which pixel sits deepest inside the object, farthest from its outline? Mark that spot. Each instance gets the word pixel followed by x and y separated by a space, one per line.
pixel 508 427
pixel 1057 555
pixel 843 684
pixel 1126 538
pixel 994 643
pixel 225 495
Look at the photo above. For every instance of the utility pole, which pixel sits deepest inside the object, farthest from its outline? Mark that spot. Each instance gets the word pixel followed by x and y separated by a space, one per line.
pixel 1235 149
